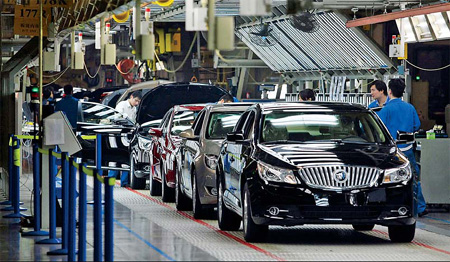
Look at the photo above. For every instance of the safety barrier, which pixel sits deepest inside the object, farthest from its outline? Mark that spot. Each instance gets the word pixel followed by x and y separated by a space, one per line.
pixel 69 169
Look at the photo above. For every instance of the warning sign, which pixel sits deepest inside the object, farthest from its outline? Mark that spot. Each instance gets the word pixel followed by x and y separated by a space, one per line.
pixel 26 20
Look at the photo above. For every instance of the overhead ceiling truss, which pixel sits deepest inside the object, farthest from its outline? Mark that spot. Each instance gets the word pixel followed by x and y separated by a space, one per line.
pixel 332 49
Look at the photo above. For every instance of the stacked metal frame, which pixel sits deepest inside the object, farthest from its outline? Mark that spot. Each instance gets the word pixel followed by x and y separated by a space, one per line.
pixel 333 47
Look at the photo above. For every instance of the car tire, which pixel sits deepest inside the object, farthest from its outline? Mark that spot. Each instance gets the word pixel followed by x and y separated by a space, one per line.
pixel 363 227
pixel 135 182
pixel 168 193
pixel 227 219
pixel 402 234
pixel 155 186
pixel 182 202
pixel 196 204
pixel 252 231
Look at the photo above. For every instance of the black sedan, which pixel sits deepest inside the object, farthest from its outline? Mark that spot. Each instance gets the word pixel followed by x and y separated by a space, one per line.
pixel 313 163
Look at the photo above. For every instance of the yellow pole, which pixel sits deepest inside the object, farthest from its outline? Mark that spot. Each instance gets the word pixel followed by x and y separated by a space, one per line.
pixel 41 47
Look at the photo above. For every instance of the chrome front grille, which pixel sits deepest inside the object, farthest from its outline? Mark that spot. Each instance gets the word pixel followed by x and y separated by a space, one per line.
pixel 339 177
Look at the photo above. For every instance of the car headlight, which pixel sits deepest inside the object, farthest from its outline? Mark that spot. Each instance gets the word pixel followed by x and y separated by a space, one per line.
pixel 211 161
pixel 395 175
pixel 275 174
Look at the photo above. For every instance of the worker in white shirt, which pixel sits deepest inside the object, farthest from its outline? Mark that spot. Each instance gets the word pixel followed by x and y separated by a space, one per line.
pixel 128 109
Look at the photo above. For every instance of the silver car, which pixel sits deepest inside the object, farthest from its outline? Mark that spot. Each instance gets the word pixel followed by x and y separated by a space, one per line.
pixel 198 153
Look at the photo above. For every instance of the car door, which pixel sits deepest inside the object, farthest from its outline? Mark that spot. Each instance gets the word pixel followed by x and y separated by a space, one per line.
pixel 190 151
pixel 97 118
pixel 156 147
pixel 244 150
pixel 141 146
pixel 231 164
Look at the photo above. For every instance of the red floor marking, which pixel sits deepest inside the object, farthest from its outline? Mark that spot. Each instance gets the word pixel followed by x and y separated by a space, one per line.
pixel 243 242
pixel 418 243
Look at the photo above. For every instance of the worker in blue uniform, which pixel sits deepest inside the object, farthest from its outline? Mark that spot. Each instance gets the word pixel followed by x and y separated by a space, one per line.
pixel 398 115
pixel 69 105
pixel 379 93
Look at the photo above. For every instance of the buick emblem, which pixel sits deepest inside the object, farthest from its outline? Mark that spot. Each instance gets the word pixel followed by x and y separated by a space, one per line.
pixel 340 176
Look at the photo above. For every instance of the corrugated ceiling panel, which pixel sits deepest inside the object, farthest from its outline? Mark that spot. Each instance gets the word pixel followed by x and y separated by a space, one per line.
pixel 332 47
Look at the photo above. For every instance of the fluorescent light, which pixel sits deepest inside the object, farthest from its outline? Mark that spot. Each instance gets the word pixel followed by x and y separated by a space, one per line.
pixel 420 25
pixel 406 30
pixel 439 26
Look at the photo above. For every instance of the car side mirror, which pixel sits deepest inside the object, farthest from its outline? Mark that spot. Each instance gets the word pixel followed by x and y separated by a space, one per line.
pixel 404 138
pixel 233 137
pixel 155 132
pixel 188 134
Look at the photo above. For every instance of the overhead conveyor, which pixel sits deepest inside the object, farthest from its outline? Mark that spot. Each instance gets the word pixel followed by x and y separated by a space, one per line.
pixel 332 49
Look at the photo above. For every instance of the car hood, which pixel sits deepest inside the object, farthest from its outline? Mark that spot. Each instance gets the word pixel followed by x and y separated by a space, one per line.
pixel 302 155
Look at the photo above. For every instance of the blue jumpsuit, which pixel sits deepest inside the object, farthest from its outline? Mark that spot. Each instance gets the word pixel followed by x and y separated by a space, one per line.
pixel 398 115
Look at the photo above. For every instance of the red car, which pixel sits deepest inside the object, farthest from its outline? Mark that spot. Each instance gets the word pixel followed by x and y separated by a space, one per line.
pixel 165 143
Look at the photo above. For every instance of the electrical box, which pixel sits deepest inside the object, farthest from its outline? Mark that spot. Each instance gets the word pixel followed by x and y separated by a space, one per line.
pixel 49 61
pixel 195 63
pixel 147 47
pixel 109 54
pixel 176 42
pixel 256 7
pixel 146 27
pixel 196 17
pixel 78 60
pixel 396 51
pixel 225 33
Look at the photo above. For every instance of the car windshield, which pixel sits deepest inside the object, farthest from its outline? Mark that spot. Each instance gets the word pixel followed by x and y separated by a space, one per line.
pixel 100 114
pixel 221 123
pixel 316 127
pixel 182 120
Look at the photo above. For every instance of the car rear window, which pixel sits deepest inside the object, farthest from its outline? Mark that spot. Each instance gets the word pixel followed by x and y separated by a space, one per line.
pixel 357 127
pixel 157 102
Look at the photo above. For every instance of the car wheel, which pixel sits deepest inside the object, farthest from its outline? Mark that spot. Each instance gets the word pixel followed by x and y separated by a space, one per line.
pixel 168 194
pixel 136 182
pixel 196 205
pixel 155 187
pixel 228 220
pixel 252 231
pixel 182 202
pixel 402 234
pixel 363 227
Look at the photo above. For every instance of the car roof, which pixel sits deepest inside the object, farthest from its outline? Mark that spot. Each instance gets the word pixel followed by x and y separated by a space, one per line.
pixel 229 107
pixel 189 107
pixel 312 105
pixel 141 86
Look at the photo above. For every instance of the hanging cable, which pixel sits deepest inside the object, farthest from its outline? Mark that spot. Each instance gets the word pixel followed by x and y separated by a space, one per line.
pixel 47 76
pixel 253 79
pixel 57 78
pixel 426 69
pixel 222 58
pixel 185 59
pixel 87 71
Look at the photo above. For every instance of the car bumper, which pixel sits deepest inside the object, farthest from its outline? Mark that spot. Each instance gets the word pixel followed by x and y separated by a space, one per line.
pixel 207 185
pixel 297 206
